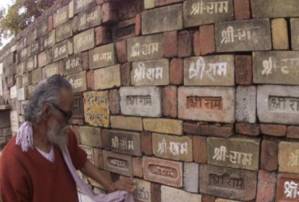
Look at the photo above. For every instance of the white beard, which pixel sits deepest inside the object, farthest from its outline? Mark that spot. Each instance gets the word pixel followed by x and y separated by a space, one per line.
pixel 58 136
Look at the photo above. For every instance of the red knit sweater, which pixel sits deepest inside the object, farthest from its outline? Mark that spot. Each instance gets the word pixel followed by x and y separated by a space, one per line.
pixel 30 177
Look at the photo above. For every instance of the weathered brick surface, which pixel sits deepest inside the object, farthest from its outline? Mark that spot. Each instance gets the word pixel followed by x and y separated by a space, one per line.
pixel 288 153
pixel 269 155
pixel 266 186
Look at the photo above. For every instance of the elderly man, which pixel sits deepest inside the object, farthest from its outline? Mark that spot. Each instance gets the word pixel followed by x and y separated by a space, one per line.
pixel 34 167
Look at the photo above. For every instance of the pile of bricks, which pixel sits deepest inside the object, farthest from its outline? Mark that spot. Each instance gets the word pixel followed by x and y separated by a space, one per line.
pixel 197 100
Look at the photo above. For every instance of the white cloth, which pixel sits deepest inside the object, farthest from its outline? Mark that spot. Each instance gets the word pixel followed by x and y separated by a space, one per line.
pixel 25 140
pixel 50 156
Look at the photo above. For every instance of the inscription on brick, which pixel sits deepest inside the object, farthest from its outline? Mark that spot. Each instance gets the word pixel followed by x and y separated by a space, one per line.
pixel 210 71
pixel 279 67
pixel 80 5
pixel 288 157
pixel 96 108
pixel 90 18
pixel 78 81
pixel 206 103
pixel 63 31
pixel 102 56
pixel 122 141
pixel 153 21
pixel 278 104
pixel 197 12
pixel 117 163
pixel 140 101
pixel 228 182
pixel 143 191
pixel 234 152
pixel 62 50
pixel 84 41
pixel 287 188
pixel 152 72
pixel 145 47
pixel 163 171
pixel 73 64
pixel 243 35
pixel 172 147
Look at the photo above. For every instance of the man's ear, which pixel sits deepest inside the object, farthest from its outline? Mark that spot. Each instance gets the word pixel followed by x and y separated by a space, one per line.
pixel 46 110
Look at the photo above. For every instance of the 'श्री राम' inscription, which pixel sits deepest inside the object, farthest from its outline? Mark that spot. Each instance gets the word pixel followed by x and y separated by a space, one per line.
pixel 207 103
pixel 283 104
pixel 232 35
pixel 212 7
pixel 226 180
pixel 144 100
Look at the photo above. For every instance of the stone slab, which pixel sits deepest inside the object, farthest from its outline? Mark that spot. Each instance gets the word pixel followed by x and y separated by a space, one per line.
pixel 215 104
pixel 140 101
pixel 209 71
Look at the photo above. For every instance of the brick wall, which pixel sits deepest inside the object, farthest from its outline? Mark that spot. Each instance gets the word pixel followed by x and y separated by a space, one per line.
pixel 198 100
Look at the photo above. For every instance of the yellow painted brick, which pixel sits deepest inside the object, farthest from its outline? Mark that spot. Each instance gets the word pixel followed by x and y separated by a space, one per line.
pixel 280 38
pixel 127 123
pixel 169 126
pixel 149 4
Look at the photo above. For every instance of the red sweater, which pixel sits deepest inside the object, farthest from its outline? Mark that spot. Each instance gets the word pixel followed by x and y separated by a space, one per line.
pixel 30 177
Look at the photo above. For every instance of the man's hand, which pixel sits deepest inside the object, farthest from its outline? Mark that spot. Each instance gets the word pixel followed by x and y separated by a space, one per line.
pixel 124 184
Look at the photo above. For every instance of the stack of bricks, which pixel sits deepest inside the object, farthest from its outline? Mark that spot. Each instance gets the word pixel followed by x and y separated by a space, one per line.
pixel 197 100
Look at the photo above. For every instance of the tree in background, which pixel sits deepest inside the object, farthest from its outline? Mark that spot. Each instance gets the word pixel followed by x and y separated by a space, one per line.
pixel 21 14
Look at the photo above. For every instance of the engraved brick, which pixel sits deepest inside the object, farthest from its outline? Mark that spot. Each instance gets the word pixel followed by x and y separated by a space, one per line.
pixel 76 63
pixel 107 77
pixel 145 47
pixel 90 136
pixel 169 101
pixel 269 155
pixel 63 32
pixel 62 50
pixel 229 35
pixel 246 104
pixel 78 81
pixel 220 107
pixel 126 122
pixel 163 146
pixel 196 74
pixel 172 194
pixel 151 72
pixel 122 141
pixel 275 104
pixel 280 38
pixel 102 56
pixel 169 126
pixel 90 18
pixel 234 152
pixel 242 9
pixel 163 171
pixel 243 69
pixel 52 69
pixel 144 191
pixel 184 43
pixel 274 8
pixel 288 153
pixel 140 101
pixel 216 181
pixel 96 108
pixel 153 22
pixel 197 12
pixel 286 189
pixel 275 67
pixel 191 177
pixel 176 71
pixel 84 41
pixel 118 163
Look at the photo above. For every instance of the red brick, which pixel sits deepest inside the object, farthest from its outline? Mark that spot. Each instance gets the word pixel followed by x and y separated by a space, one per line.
pixel 243 69
pixel 266 186
pixel 247 129
pixel 137 167
pixel 121 51
pixel 146 143
pixel 274 130
pixel 156 192
pixel 242 9
pixel 125 70
pixel 206 41
pixel 109 12
pixel 90 80
pixel 114 101
pixel 169 101
pixel 103 35
pixel 184 44
pixel 200 154
pixel 138 25
pixel 170 45
pixel 196 43
pixel 165 2
pixel 293 132
pixel 207 198
pixel 176 71
pixel 269 155
pixel 85 60
pixel 50 23
pixel 208 129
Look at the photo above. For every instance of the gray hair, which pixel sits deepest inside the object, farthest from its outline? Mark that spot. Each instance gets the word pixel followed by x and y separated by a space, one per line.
pixel 47 91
